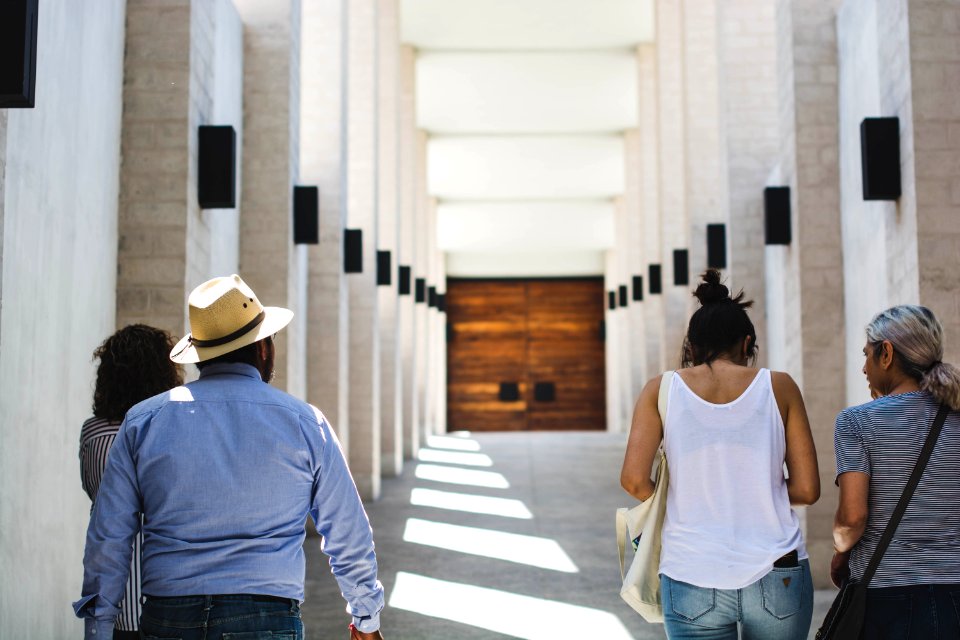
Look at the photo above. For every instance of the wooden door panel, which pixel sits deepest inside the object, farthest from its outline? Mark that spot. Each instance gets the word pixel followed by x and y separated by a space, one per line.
pixel 525 332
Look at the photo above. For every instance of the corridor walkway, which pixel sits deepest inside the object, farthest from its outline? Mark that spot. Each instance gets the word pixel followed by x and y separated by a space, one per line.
pixel 495 536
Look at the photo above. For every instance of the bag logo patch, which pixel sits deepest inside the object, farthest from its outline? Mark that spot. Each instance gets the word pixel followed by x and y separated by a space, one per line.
pixel 786 582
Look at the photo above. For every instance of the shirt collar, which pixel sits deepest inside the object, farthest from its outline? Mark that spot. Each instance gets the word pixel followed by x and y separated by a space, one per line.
pixel 230 368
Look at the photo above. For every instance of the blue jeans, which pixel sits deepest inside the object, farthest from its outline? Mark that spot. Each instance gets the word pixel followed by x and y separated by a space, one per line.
pixel 930 612
pixel 221 617
pixel 777 606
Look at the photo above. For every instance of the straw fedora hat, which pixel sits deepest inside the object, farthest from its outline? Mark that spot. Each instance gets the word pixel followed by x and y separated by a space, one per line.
pixel 225 315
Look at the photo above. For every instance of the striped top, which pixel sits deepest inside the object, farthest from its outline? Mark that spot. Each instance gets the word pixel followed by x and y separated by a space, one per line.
pixel 883 438
pixel 96 438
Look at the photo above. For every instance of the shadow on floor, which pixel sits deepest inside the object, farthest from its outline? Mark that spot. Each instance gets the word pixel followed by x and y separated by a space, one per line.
pixel 494 536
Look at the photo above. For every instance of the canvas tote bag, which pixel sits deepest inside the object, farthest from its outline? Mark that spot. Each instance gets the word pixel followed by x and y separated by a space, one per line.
pixel 639 528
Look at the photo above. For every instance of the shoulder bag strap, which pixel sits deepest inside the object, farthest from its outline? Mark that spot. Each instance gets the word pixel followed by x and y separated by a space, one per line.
pixel 908 491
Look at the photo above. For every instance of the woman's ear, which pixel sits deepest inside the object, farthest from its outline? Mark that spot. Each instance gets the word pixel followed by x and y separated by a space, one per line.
pixel 886 354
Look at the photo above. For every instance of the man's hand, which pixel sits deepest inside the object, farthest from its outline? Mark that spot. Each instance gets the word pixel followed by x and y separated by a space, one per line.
pixel 839 568
pixel 356 634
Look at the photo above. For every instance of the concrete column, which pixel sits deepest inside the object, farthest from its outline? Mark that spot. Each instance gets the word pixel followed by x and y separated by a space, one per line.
pixel 433 320
pixel 322 150
pixel 614 372
pixel 362 163
pixel 750 119
pixel 59 185
pixel 674 220
pixel 409 237
pixel 269 261
pixel 649 171
pixel 182 67
pixel 705 191
pixel 934 63
pixel 389 223
pixel 157 135
pixel 620 278
pixel 635 264
pixel 420 271
pixel 440 419
pixel 804 280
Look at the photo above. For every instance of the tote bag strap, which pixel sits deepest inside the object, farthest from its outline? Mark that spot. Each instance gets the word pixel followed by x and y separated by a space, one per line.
pixel 908 491
pixel 665 381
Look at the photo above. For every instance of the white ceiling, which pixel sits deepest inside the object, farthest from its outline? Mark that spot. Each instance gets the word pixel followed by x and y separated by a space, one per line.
pixel 497 93
pixel 525 102
pixel 525 25
pixel 504 227
pixel 525 167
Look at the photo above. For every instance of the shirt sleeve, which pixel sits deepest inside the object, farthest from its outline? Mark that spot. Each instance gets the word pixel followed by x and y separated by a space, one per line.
pixel 851 451
pixel 338 512
pixel 113 525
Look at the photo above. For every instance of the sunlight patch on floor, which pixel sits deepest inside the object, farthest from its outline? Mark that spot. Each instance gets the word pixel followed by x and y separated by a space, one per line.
pixel 506 507
pixel 469 477
pixel 532 551
pixel 503 612
pixel 455 457
pixel 449 442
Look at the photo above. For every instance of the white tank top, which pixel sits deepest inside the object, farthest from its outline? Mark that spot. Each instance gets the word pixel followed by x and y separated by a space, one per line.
pixel 728 515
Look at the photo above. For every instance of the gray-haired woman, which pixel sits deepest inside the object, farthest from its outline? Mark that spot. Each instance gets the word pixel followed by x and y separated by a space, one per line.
pixel 916 590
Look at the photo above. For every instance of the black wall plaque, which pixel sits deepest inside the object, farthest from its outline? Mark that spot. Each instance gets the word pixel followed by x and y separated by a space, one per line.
pixel 776 215
pixel 18 53
pixel 384 276
pixel 403 278
pixel 509 392
pixel 306 215
pixel 637 288
pixel 880 158
pixel 353 250
pixel 420 293
pixel 217 167
pixel 611 300
pixel 622 290
pixel 544 392
pixel 654 275
pixel 717 246
pixel 431 296
pixel 681 267
pixel 442 302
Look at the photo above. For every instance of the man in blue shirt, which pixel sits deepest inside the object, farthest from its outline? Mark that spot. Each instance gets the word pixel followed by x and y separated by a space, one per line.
pixel 224 471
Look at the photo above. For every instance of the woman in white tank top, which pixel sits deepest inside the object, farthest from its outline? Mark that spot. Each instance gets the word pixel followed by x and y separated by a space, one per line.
pixel 733 553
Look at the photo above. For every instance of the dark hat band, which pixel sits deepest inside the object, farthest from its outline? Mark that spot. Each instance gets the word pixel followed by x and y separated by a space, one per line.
pixel 216 342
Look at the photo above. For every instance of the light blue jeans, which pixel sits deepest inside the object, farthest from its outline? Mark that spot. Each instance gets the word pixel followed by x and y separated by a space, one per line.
pixel 778 606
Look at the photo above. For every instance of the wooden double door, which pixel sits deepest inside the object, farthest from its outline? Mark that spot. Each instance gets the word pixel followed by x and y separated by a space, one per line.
pixel 525 355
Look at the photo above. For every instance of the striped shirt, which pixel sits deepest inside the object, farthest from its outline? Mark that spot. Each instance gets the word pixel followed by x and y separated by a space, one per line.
pixel 883 439
pixel 96 438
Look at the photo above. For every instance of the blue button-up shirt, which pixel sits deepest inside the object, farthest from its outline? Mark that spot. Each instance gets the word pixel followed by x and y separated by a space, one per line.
pixel 225 470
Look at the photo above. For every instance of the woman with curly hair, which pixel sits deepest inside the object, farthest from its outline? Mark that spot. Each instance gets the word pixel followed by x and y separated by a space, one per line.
pixel 134 365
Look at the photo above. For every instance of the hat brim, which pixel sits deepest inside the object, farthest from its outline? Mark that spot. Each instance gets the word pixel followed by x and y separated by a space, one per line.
pixel 275 319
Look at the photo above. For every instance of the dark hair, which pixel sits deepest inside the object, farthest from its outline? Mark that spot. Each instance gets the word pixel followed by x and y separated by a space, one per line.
pixel 719 324
pixel 134 365
pixel 243 355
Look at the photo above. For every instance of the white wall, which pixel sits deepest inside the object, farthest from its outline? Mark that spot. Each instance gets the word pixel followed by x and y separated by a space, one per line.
pixel 879 237
pixel 227 93
pixel 59 278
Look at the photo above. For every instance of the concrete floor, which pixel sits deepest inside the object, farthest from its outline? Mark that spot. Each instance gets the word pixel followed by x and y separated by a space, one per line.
pixel 457 576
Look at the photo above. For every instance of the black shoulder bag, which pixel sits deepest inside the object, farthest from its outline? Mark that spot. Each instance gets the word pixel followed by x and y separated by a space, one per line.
pixel 844 621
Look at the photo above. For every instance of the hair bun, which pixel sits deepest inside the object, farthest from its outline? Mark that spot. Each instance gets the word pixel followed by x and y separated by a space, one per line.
pixel 710 291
